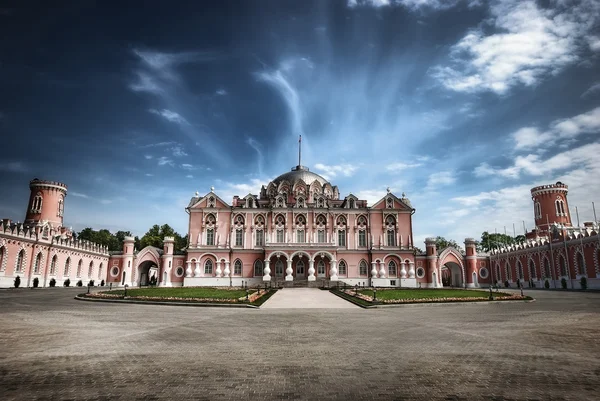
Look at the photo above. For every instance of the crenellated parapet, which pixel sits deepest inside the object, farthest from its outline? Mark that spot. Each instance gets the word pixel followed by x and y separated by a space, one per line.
pixel 46 184
pixel 49 236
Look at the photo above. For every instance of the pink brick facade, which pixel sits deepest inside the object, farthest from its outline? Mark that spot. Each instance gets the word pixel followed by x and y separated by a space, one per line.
pixel 297 229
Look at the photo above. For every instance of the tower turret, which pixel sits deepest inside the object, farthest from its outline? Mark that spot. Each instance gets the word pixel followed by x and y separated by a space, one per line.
pixel 46 202
pixel 550 205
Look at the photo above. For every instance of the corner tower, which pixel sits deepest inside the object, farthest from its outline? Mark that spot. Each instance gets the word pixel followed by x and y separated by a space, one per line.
pixel 550 205
pixel 46 202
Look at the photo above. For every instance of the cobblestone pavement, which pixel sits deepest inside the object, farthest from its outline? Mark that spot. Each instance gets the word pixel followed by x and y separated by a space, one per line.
pixel 53 347
pixel 306 298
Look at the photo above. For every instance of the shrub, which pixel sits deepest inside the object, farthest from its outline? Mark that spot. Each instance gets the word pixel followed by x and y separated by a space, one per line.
pixel 52 283
pixel 563 283
pixel 583 283
pixel 67 282
pixel 17 281
pixel 546 284
pixel 102 283
pixel 36 282
pixel 91 283
pixel 80 283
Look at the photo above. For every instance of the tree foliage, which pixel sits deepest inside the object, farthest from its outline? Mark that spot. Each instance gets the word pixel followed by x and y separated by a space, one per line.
pixel 497 240
pixel 441 243
pixel 114 242
pixel 156 234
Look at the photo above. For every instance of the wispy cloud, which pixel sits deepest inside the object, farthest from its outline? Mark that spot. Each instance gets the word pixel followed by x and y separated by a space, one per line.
pixel 400 166
pixel 441 178
pixel 164 161
pixel 529 43
pixel 592 90
pixel 187 166
pixel 189 176
pixel 148 157
pixel 221 92
pixel 411 4
pixel 78 195
pixel 178 151
pixel 14 167
pixel 171 116
pixel 330 171
pixel 256 145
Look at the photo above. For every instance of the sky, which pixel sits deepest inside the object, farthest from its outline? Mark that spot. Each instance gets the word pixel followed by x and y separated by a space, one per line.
pixel 464 105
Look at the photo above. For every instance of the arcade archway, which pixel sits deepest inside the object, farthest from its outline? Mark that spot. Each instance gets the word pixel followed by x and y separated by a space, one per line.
pixel 148 273
pixel 452 275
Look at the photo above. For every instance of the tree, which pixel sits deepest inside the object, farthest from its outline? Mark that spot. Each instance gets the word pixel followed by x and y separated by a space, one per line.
pixel 441 243
pixel 156 234
pixel 497 240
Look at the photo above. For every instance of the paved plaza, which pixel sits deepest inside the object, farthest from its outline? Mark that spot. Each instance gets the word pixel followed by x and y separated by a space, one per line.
pixel 54 347
pixel 306 298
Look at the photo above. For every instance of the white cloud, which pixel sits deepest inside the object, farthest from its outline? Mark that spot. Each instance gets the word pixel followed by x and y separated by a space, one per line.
pixel 189 176
pixel 346 170
pixel 592 90
pixel 399 166
pixel 370 195
pixel 148 157
pixel 163 160
pixel 594 42
pixel 586 155
pixel 221 92
pixel 412 4
pixel 187 166
pixel 563 129
pixel 170 116
pixel 158 144
pixel 178 151
pixel 149 175
pixel 106 201
pixel 441 178
pixel 530 43
pixel 78 195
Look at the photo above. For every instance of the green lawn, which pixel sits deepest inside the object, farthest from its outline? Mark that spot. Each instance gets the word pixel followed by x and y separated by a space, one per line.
pixel 183 292
pixel 429 293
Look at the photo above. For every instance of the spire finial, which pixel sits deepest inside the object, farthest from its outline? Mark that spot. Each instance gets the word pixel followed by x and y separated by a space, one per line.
pixel 300 150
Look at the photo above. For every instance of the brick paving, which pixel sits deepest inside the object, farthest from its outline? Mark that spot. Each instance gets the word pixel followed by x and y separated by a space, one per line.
pixel 55 348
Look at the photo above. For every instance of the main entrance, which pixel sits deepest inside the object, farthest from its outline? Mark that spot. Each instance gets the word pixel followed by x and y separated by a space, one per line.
pixel 148 272
pixel 451 275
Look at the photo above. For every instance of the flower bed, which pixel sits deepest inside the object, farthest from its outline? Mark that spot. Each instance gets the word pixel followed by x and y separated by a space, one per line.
pixel 189 294
pixel 477 297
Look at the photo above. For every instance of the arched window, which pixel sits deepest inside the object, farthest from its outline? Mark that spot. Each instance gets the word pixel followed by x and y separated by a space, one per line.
pixel 20 260
pixel 237 267
pixel 100 271
pixel 362 268
pixel 341 237
pixel 260 237
pixel 37 263
pixel 392 268
pixel 320 267
pixel 239 237
pixel 581 263
pixel 258 267
pixel 538 210
pixel 498 275
pixel 300 238
pixel 210 236
pixel 36 207
pixel 208 267
pixel 390 223
pixel 532 272
pixel 2 258
pixel 546 272
pixel 279 268
pixel 320 236
pixel 90 269
pixel 342 270
pixel 351 203
pixel 79 268
pixel 563 266
pixel 67 266
pixel 508 272
pixel 61 207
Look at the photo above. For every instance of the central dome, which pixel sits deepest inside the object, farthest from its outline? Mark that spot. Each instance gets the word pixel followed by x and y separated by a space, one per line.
pixel 300 173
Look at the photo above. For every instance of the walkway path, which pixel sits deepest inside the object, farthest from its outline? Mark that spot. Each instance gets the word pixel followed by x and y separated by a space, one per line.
pixel 313 298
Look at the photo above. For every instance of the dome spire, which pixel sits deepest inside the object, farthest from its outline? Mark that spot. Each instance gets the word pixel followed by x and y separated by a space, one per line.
pixel 300 150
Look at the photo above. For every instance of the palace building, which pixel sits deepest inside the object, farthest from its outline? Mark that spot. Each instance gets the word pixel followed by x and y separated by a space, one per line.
pixel 299 231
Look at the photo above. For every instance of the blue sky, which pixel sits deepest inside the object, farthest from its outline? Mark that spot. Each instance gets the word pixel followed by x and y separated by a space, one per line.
pixel 463 105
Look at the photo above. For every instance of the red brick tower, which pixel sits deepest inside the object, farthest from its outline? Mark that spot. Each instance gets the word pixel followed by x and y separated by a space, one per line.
pixel 550 205
pixel 46 202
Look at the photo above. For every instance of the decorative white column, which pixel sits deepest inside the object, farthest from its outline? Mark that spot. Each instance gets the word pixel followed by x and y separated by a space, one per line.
pixel 402 270
pixel 411 269
pixel 381 269
pixel 218 272
pixel 188 270
pixel 226 272
pixel 311 270
pixel 267 271
pixel 333 271
pixel 289 271
pixel 374 269
pixel 197 271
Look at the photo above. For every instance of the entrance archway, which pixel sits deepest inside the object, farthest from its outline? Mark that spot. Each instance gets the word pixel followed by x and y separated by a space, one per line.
pixel 148 273
pixel 452 275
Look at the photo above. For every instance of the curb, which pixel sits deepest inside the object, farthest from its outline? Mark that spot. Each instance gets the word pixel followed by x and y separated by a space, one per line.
pixel 197 304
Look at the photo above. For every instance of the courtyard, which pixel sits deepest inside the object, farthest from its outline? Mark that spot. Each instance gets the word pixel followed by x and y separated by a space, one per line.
pixel 55 347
